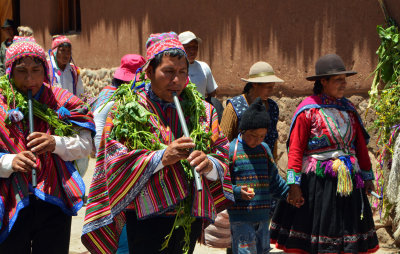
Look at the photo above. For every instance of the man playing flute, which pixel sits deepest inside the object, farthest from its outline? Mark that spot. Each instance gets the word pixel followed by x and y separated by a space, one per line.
pixel 143 172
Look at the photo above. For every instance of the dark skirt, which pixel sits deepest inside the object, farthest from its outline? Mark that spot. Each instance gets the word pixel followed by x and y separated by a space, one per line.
pixel 327 222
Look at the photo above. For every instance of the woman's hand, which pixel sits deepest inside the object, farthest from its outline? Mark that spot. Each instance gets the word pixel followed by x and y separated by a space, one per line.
pixel 39 143
pixel 295 197
pixel 24 162
pixel 369 186
pixel 246 193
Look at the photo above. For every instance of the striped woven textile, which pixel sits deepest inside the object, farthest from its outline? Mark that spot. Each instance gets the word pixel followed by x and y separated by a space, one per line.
pixel 124 179
pixel 103 97
pixel 58 182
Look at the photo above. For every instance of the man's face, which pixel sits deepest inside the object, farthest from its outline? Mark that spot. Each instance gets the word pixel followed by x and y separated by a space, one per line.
pixel 170 76
pixel 63 56
pixel 191 50
pixel 28 74
pixel 8 32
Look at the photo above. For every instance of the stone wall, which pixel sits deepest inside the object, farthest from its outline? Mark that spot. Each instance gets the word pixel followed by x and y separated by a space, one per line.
pixel 95 80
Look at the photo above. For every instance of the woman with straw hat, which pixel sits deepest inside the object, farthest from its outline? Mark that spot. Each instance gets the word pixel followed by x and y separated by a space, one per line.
pixel 260 83
pixel 329 172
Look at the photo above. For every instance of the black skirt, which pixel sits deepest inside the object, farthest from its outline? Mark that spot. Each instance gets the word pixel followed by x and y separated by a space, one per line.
pixel 327 222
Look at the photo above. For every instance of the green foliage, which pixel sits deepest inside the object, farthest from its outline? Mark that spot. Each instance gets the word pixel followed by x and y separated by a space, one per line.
pixel 130 122
pixel 9 91
pixel 386 102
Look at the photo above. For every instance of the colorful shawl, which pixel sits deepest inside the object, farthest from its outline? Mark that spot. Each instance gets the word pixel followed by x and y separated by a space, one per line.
pixel 323 101
pixel 125 179
pixel 103 97
pixel 58 182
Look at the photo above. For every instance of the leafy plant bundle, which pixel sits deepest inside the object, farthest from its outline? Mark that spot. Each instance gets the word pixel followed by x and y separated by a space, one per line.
pixel 386 101
pixel 131 127
pixel 42 111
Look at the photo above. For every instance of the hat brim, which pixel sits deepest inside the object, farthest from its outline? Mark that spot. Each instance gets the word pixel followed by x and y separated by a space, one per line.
pixel 124 75
pixel 264 79
pixel 317 77
pixel 192 39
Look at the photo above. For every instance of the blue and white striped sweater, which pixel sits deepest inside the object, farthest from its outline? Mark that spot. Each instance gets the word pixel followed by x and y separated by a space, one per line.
pixel 255 168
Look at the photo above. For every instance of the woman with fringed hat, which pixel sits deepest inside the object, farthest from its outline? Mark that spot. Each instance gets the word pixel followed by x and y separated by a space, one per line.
pixel 35 217
pixel 62 70
pixel 329 172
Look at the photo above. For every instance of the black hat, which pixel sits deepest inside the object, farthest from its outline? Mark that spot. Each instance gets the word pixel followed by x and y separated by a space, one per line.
pixel 8 23
pixel 329 65
pixel 255 117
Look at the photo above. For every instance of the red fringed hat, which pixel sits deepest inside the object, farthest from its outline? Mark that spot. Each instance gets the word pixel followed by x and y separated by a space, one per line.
pixel 58 40
pixel 23 47
pixel 158 43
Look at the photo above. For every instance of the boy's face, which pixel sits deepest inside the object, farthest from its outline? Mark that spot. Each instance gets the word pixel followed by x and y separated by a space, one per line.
pixel 63 55
pixel 253 138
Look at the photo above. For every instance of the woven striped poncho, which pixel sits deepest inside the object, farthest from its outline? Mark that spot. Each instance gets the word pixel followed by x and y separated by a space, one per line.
pixel 58 182
pixel 103 97
pixel 125 179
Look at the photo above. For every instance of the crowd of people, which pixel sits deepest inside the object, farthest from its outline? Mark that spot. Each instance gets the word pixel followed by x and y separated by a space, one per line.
pixel 144 197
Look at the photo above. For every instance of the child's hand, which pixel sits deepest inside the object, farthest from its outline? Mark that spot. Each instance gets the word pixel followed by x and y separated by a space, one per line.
pixel 247 193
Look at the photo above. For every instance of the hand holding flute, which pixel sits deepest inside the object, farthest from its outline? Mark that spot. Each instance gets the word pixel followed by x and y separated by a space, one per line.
pixel 182 148
pixel 38 143
pixel 25 161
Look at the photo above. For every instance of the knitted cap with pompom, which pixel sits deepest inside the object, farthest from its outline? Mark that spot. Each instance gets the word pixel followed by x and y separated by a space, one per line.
pixel 255 117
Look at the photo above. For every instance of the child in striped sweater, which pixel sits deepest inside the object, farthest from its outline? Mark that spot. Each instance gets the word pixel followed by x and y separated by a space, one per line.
pixel 255 181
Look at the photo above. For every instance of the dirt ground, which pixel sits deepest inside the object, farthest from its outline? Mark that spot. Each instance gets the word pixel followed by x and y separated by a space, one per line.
pixel 76 246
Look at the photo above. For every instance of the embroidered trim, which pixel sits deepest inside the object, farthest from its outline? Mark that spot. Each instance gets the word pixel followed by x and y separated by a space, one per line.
pixel 320 239
pixel 367 175
pixel 293 177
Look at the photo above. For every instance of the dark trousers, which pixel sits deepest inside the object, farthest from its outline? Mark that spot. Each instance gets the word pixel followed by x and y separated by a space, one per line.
pixel 40 228
pixel 146 236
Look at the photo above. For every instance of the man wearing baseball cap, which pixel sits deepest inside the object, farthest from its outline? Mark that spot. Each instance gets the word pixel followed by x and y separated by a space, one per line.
pixel 199 72
pixel 8 30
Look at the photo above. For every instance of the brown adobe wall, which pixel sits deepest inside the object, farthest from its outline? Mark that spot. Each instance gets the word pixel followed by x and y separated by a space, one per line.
pixel 289 34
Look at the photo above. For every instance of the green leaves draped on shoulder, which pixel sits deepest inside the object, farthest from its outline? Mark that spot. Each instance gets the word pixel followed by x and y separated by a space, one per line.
pixel 9 91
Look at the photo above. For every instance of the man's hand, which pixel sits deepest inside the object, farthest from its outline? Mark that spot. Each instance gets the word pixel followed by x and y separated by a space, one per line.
pixel 200 161
pixel 177 150
pixel 39 143
pixel 295 197
pixel 24 162
pixel 369 186
pixel 246 192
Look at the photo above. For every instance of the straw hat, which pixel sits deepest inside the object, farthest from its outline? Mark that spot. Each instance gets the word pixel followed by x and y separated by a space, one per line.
pixel 262 72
